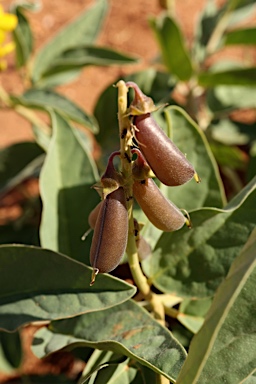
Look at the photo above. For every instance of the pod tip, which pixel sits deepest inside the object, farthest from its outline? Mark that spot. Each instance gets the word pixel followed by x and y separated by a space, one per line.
pixel 197 178
pixel 94 274
pixel 188 221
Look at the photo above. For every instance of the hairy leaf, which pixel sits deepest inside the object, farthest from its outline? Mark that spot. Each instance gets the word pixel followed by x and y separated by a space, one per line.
pixel 18 162
pixel 226 98
pixel 23 38
pixel 65 183
pixel 46 285
pixel 83 30
pixel 175 54
pixel 10 351
pixel 125 329
pixel 245 76
pixel 224 350
pixel 47 99
pixel 241 36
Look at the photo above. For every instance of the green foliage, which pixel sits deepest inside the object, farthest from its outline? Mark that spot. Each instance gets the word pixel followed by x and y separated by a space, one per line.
pixel 213 243
pixel 10 351
pixel 225 345
pixel 204 276
pixel 51 286
pixel 23 37
pixel 83 30
pixel 46 100
pixel 174 52
pixel 65 183
pixel 128 330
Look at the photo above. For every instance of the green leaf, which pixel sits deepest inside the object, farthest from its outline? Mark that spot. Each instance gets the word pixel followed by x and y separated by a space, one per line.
pixel 241 36
pixel 19 232
pixel 230 132
pixel 125 329
pixel 224 350
pixel 47 99
pixel 192 313
pixel 49 285
pixel 23 38
pixel 250 379
pixel 182 334
pixel 73 60
pixel 10 351
pixel 252 163
pixel 208 20
pixel 91 55
pixel 57 78
pixel 99 360
pixel 125 373
pixel 42 137
pixel 175 54
pixel 226 98
pixel 231 157
pixel 83 30
pixel 65 183
pixel 245 76
pixel 241 14
pixel 192 263
pixel 106 366
pixel 237 4
pixel 17 162
pixel 190 139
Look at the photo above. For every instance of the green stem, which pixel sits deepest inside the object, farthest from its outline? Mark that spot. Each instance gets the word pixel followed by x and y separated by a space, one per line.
pixel 125 154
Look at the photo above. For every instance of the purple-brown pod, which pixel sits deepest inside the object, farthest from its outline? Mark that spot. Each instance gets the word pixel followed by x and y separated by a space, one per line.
pixel 110 233
pixel 143 248
pixel 92 219
pixel 167 162
pixel 162 213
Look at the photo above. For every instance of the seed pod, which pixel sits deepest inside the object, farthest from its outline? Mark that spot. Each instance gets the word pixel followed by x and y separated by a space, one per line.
pixel 161 212
pixel 110 233
pixel 92 219
pixel 167 162
pixel 143 248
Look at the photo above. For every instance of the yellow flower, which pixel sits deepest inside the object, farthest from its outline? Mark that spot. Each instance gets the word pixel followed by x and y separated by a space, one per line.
pixel 8 23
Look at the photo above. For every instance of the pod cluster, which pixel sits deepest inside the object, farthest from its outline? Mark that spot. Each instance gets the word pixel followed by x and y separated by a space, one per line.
pixel 156 156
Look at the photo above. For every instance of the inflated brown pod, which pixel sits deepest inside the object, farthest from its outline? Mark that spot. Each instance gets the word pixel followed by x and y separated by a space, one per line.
pixel 94 215
pixel 160 211
pixel 110 233
pixel 167 162
pixel 143 247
